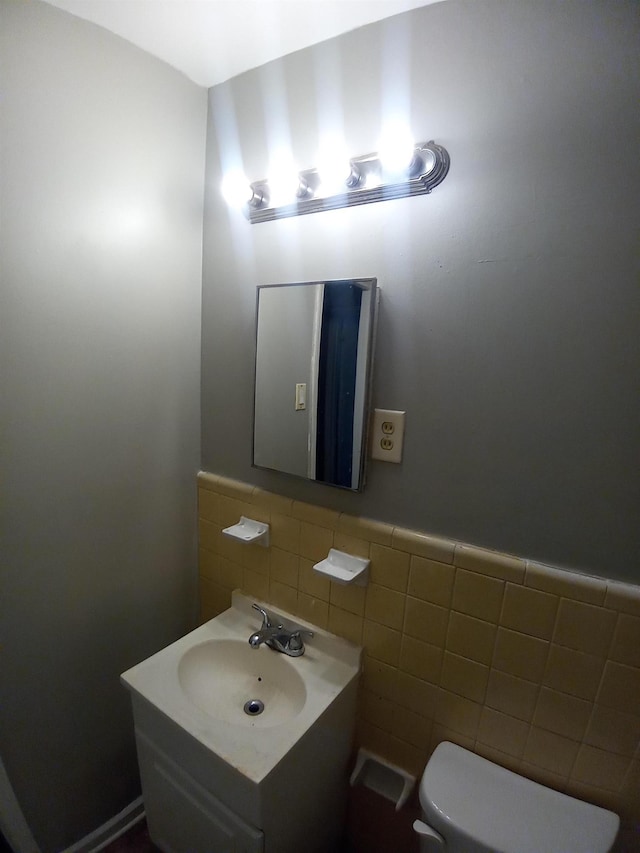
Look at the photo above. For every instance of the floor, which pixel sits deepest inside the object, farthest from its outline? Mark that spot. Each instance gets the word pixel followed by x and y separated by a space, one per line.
pixel 136 840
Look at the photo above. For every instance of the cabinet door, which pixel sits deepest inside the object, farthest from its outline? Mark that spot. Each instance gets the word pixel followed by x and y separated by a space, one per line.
pixel 183 817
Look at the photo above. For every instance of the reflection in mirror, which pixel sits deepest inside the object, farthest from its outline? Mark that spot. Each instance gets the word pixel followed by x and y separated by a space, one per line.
pixel 313 367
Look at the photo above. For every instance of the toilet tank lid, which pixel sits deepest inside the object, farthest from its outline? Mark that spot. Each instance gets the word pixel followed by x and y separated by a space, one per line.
pixel 463 794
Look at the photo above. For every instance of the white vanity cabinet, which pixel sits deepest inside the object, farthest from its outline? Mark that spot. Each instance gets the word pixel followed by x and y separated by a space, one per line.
pixel 217 781
pixel 197 803
pixel 183 815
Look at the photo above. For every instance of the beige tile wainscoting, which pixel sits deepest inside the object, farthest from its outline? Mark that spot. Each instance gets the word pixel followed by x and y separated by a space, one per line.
pixel 535 668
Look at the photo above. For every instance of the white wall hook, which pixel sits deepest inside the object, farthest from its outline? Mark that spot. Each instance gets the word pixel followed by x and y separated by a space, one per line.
pixel 344 568
pixel 247 530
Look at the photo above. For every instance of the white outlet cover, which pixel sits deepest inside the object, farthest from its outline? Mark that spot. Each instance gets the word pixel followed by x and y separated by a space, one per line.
pixel 380 437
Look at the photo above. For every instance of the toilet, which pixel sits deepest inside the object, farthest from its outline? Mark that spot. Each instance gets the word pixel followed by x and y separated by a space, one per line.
pixel 471 805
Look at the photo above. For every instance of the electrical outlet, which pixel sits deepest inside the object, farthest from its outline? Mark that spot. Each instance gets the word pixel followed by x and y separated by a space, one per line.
pixel 387 434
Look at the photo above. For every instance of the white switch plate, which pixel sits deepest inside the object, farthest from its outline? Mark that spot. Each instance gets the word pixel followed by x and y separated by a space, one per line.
pixel 387 435
pixel 301 396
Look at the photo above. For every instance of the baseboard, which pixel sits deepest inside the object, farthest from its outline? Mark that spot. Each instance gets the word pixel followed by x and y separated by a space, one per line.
pixel 109 831
pixel 13 825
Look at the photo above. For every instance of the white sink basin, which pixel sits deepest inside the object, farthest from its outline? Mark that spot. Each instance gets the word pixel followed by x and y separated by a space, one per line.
pixel 223 677
pixel 203 680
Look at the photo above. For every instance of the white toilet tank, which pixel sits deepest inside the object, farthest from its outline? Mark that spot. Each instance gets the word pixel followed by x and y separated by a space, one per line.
pixel 471 805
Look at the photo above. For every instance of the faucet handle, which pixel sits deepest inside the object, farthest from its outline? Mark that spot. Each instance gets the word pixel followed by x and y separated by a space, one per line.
pixel 266 619
pixel 295 640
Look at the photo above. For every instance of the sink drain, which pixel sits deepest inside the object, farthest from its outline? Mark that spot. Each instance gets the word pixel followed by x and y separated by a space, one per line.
pixel 254 707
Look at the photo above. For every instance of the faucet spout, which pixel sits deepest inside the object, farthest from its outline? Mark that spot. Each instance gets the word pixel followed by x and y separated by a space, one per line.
pixel 259 638
pixel 277 637
pixel 266 631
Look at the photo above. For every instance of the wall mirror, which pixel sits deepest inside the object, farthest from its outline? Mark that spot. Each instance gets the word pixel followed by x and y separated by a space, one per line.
pixel 314 348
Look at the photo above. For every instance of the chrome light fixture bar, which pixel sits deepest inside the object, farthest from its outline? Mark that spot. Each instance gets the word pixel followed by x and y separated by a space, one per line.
pixel 367 182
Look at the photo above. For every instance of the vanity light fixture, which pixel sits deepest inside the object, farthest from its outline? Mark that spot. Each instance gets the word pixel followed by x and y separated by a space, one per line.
pixel 364 179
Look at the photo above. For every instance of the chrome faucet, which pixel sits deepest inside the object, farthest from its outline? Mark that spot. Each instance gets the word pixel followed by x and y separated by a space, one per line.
pixel 278 637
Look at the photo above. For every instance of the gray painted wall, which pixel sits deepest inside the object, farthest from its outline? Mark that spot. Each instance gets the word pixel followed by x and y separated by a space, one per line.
pixel 510 300
pixel 102 185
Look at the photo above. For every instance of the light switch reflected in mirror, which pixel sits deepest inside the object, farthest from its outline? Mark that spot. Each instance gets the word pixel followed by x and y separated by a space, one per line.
pixel 314 347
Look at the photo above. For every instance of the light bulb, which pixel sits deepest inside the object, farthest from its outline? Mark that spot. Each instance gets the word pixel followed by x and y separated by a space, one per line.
pixel 283 180
pixel 334 168
pixel 396 148
pixel 372 180
pixel 236 189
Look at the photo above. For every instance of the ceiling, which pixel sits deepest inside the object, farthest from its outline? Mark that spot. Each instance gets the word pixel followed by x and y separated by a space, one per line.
pixel 213 40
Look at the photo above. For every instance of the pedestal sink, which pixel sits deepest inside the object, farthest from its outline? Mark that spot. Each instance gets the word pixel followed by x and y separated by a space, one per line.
pixel 221 774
